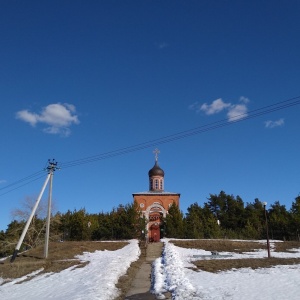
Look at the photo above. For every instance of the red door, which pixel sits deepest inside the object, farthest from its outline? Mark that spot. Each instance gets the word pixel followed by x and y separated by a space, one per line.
pixel 155 233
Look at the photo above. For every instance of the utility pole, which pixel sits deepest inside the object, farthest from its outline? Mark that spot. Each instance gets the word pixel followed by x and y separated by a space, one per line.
pixel 267 229
pixel 51 168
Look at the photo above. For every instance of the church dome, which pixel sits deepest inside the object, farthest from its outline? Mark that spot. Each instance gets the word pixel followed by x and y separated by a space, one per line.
pixel 156 171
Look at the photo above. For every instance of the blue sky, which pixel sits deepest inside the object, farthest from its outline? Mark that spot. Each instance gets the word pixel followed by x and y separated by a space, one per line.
pixel 83 78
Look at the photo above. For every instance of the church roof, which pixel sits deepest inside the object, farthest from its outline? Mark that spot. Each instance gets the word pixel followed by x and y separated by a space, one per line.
pixel 155 193
pixel 156 170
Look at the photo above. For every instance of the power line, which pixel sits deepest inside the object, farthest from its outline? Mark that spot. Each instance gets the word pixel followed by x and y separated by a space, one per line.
pixel 28 179
pixel 16 188
pixel 166 139
pixel 187 133
pixel 34 175
pixel 22 180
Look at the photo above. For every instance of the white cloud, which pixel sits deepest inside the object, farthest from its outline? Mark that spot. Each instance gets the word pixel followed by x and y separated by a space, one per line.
pixel 234 111
pixel 217 106
pixel 272 124
pixel 237 112
pixel 59 118
pixel 58 115
pixel 27 116
pixel 244 99
pixel 2 181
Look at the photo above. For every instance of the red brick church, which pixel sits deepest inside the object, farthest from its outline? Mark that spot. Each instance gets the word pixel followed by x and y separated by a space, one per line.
pixel 155 203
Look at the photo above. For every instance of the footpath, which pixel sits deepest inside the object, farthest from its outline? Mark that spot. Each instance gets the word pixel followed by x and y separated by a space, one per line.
pixel 141 284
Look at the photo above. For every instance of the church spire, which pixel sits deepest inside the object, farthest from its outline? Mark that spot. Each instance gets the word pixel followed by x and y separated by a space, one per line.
pixel 156 175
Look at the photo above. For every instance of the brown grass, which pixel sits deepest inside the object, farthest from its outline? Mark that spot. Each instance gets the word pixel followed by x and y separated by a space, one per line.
pixel 217 265
pixel 61 256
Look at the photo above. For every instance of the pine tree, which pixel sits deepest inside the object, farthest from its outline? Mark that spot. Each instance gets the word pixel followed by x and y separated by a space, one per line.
pixel 194 228
pixel 229 211
pixel 295 219
pixel 279 220
pixel 174 223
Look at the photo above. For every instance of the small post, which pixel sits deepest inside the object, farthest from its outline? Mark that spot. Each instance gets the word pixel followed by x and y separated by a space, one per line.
pixel 267 229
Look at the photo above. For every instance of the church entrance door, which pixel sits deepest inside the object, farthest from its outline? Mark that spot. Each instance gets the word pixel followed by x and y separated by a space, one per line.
pixel 154 233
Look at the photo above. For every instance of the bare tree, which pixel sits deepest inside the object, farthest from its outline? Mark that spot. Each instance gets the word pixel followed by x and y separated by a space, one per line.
pixel 23 212
pixel 36 230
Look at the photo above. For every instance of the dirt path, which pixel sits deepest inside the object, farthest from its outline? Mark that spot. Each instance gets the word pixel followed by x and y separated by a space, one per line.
pixel 141 284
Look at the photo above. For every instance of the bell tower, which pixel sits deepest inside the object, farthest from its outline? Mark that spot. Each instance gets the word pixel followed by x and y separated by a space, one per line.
pixel 156 175
pixel 155 203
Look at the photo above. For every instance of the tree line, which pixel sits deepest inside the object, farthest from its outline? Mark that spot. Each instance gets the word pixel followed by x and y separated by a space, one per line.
pixel 227 216
pixel 221 216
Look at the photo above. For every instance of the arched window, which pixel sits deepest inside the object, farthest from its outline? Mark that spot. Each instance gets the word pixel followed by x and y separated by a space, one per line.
pixel 151 184
pixel 156 184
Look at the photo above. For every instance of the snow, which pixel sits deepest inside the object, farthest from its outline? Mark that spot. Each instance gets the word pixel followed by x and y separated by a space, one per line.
pixel 175 274
pixel 172 272
pixel 94 281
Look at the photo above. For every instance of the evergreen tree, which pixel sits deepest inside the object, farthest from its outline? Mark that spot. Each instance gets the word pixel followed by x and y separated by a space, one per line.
pixel 128 223
pixel 56 233
pixel 279 220
pixel 255 220
pixel 174 223
pixel 74 225
pixel 211 224
pixel 104 230
pixel 11 237
pixel 229 211
pixel 194 222
pixel 295 219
